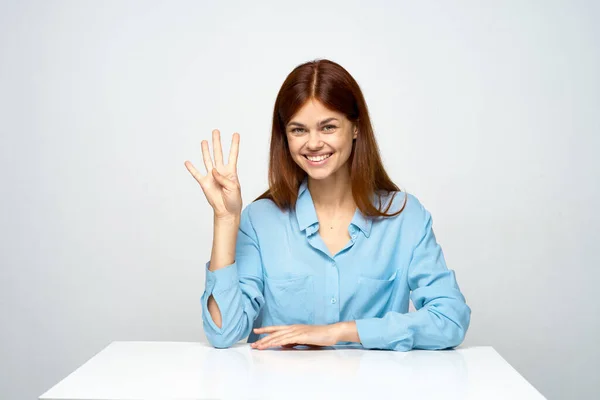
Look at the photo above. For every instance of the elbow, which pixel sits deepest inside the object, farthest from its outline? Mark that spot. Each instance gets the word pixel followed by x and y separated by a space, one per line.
pixel 218 337
pixel 225 336
pixel 452 322
pixel 457 328
pixel 220 341
pixel 455 337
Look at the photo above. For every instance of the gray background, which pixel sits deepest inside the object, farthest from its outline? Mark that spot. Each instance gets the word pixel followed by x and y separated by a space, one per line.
pixel 486 111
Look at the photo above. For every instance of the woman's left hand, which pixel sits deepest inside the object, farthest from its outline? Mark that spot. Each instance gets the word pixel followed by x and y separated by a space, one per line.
pixel 290 335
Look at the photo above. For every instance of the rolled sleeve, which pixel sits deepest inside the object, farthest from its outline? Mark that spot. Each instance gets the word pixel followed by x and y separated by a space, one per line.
pixel 369 332
pixel 221 284
pixel 222 279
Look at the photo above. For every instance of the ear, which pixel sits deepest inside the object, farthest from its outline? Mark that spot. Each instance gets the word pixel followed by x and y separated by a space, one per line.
pixel 355 133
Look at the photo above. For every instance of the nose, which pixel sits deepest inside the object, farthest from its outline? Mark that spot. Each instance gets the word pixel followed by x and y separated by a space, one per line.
pixel 314 141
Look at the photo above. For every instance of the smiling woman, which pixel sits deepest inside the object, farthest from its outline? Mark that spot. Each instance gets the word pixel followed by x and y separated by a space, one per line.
pixel 321 120
pixel 333 250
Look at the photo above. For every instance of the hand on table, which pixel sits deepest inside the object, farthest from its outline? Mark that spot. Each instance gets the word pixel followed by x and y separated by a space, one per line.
pixel 292 335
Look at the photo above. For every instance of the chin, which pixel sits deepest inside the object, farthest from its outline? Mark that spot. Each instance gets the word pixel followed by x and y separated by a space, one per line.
pixel 318 175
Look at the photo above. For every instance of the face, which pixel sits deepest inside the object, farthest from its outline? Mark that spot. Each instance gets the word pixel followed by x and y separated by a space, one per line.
pixel 320 140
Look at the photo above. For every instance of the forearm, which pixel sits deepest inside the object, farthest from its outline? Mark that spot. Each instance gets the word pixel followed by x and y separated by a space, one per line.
pixel 433 327
pixel 224 240
pixel 222 254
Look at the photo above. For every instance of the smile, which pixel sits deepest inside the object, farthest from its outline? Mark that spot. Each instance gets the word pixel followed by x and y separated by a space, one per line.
pixel 318 160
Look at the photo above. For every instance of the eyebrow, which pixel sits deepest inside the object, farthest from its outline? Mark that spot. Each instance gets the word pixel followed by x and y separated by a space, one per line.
pixel 320 123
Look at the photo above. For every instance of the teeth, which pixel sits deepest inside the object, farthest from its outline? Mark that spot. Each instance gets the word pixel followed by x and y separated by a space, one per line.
pixel 319 158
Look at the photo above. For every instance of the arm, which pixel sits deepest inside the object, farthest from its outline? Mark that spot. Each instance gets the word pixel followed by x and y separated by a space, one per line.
pixel 222 254
pixel 442 317
pixel 233 295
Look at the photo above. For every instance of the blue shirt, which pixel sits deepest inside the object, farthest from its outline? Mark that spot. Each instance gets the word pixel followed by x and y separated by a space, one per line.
pixel 284 274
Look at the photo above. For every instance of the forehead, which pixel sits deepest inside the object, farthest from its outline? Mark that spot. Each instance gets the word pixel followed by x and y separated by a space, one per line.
pixel 313 111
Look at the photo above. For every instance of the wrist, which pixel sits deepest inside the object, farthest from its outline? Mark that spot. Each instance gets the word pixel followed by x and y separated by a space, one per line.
pixel 346 331
pixel 227 220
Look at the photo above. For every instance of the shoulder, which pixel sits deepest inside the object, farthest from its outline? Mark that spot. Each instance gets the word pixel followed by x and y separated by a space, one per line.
pixel 263 208
pixel 263 220
pixel 407 227
pixel 410 202
pixel 413 212
pixel 260 212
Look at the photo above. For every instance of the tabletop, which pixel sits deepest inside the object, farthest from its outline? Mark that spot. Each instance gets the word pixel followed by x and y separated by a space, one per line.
pixel 194 370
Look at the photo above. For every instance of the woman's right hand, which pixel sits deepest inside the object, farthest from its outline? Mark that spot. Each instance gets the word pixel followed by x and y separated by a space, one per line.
pixel 220 185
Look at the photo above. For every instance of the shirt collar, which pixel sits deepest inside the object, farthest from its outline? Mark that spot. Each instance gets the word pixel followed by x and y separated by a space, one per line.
pixel 307 215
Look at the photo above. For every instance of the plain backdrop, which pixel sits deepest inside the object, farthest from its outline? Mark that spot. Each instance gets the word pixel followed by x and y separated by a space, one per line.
pixel 486 111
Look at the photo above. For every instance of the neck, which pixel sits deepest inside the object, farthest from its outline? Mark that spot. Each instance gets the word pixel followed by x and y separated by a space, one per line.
pixel 333 193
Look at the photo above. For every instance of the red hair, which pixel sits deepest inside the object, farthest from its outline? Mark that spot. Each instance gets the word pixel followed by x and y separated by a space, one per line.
pixel 329 83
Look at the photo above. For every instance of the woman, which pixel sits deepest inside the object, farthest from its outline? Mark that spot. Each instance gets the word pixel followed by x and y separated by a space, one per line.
pixel 333 250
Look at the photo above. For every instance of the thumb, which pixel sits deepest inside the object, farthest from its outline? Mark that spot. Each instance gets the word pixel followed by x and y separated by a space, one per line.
pixel 223 181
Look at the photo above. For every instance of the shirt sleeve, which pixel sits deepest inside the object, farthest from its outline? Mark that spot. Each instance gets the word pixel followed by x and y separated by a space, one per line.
pixel 237 289
pixel 442 317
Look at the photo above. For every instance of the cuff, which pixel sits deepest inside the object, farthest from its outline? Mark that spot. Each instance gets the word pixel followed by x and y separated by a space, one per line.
pixel 218 282
pixel 370 333
pixel 221 279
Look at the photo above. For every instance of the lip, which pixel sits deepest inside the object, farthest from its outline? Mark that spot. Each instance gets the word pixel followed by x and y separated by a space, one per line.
pixel 317 163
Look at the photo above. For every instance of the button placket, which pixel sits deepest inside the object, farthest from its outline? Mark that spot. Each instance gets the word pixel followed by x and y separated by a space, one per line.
pixel 333 300
pixel 332 311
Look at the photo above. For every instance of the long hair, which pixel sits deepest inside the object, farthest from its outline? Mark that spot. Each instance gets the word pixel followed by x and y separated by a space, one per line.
pixel 329 83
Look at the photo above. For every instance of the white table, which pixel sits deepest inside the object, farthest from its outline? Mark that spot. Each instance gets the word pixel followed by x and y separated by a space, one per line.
pixel 180 370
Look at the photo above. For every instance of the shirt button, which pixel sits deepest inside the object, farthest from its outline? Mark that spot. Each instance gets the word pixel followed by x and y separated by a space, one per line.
pixel 333 300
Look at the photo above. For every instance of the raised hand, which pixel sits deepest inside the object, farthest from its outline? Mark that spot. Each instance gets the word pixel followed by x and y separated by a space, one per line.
pixel 220 185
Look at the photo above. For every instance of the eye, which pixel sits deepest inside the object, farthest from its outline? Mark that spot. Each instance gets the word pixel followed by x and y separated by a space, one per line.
pixel 327 128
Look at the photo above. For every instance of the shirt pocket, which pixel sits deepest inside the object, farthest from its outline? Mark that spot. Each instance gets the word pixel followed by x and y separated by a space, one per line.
pixel 372 296
pixel 290 300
